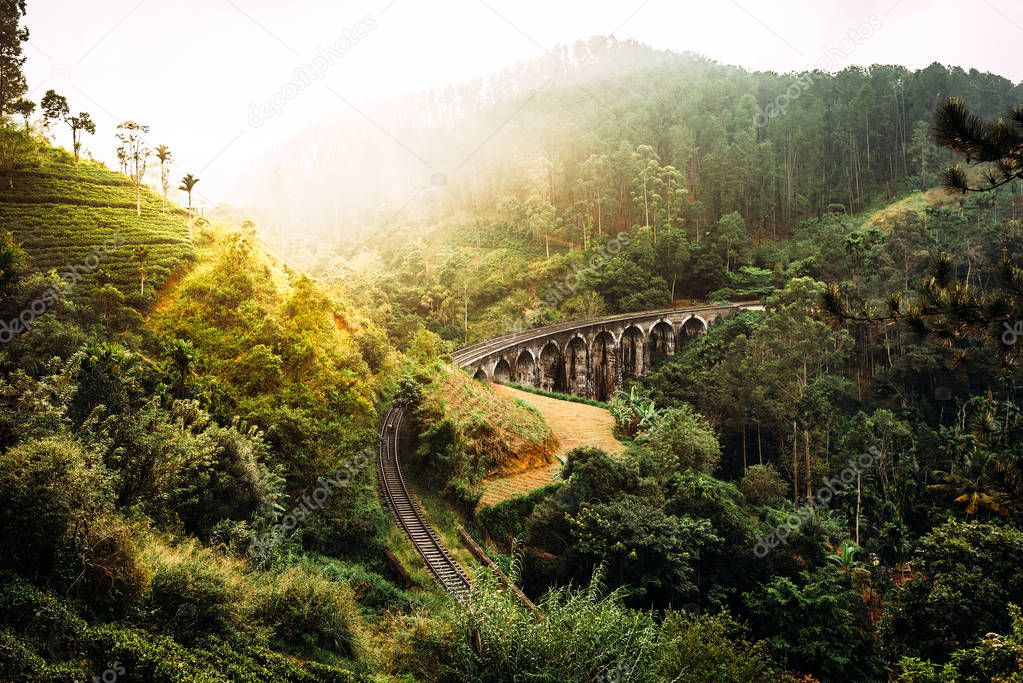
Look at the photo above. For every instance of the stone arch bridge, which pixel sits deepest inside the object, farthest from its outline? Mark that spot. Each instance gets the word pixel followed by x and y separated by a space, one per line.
pixel 593 357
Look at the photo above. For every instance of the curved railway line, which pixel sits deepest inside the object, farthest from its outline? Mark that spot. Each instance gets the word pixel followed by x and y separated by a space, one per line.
pixel 409 515
pixel 393 487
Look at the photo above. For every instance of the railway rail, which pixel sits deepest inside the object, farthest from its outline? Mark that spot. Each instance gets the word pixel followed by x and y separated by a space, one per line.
pixel 408 514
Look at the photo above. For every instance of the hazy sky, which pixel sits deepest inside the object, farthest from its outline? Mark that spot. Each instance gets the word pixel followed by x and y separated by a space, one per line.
pixel 196 71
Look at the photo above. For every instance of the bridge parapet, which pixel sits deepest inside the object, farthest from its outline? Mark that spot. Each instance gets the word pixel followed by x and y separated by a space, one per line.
pixel 593 357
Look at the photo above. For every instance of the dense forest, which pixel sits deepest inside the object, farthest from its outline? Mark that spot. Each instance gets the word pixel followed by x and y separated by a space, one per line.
pixel 608 135
pixel 828 489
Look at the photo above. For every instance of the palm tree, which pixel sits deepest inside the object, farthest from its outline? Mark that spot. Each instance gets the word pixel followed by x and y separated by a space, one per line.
pixel 976 483
pixel 163 153
pixel 975 492
pixel 183 356
pixel 187 183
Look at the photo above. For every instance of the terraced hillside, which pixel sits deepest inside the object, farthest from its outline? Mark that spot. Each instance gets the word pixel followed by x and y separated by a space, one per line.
pixel 85 219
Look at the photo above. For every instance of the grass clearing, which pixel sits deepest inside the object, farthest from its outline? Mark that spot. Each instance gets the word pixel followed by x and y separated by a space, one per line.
pixel 573 423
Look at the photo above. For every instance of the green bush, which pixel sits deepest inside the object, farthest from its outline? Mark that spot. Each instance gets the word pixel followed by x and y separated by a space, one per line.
pixel 114 577
pixel 191 597
pixel 583 636
pixel 370 588
pixel 155 658
pixel 307 611
pixel 507 520
pixel 32 611
pixel 17 661
pixel 762 485
pixel 681 439
pixel 712 648
pixel 53 491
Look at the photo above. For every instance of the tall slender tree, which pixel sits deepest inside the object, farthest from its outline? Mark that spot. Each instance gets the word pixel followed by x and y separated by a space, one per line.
pixel 135 152
pixel 55 108
pixel 163 153
pixel 141 257
pixel 187 184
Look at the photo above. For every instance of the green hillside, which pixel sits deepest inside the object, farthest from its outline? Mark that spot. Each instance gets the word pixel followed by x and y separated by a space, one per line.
pixel 62 216
pixel 174 428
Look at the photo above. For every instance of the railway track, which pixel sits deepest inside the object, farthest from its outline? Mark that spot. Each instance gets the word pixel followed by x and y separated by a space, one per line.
pixel 408 514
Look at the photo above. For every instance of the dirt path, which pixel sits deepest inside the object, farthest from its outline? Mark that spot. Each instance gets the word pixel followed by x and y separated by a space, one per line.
pixel 575 424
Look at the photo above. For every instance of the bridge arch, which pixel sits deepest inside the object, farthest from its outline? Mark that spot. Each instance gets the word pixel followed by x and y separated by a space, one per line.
pixel 662 341
pixel 577 366
pixel 633 351
pixel 502 371
pixel 552 368
pixel 480 374
pixel 606 365
pixel 692 327
pixel 525 368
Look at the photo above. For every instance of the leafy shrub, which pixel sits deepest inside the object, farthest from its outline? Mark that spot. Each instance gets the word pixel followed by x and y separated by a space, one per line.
pixel 193 596
pixel 584 636
pixel 34 612
pixel 180 467
pixel 17 661
pixel 351 521
pixel 762 485
pixel 306 610
pixel 681 439
pixel 439 451
pixel 147 656
pixel 409 393
pixel 506 520
pixel 370 588
pixel 234 484
pixel 632 412
pixel 114 576
pixel 53 491
pixel 711 648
